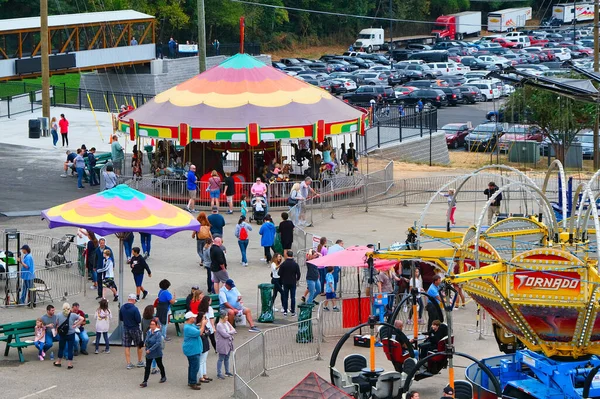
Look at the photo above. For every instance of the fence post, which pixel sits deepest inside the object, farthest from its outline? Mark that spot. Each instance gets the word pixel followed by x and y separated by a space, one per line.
pixel 31 99
pixel 79 91
pixel 400 128
pixel 378 133
pixel 430 146
pixel 404 189
pixel 332 198
pixel 9 99
pixel 366 186
pixel 320 331
pixel 264 354
pixel 421 122
pixel 64 93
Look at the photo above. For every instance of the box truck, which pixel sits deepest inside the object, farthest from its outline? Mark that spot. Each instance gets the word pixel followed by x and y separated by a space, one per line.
pixel 457 26
pixel 508 20
pixel 583 11
pixel 374 39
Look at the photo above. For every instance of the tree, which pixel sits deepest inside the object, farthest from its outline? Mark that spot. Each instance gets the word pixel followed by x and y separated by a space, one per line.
pixel 561 117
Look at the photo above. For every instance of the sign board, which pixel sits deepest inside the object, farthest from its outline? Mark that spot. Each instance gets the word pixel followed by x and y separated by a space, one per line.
pixel 315 242
pixel 188 48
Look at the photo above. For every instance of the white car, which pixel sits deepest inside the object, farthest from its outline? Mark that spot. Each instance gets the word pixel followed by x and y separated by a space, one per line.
pixel 493 59
pixel 476 75
pixel 462 69
pixel 489 90
pixel 380 68
pixel 444 68
pixel 562 54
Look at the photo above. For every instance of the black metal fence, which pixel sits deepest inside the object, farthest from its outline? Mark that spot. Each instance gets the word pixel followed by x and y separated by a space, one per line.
pixel 393 123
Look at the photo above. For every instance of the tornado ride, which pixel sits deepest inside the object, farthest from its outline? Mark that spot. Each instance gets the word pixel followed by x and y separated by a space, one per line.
pixel 537 277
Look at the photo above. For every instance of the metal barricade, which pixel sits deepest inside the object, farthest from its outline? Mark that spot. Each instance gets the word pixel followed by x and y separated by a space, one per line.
pixel 282 349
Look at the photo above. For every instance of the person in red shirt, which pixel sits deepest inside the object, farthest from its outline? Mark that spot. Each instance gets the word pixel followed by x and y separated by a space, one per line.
pixel 81 337
pixel 63 124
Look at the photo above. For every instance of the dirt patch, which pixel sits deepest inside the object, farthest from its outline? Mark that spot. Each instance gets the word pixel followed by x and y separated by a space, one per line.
pixel 406 170
pixel 310 52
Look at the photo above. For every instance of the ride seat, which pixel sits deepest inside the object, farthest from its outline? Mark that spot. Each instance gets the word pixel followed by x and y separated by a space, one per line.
pixel 353 364
pixel 394 351
pixel 441 347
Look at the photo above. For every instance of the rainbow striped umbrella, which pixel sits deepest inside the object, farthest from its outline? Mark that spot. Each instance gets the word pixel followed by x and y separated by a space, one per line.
pixel 243 100
pixel 120 210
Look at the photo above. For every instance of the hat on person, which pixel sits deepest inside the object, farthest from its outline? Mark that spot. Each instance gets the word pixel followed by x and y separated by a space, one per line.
pixel 132 296
pixel 215 209
pixel 230 283
pixel 195 287
pixel 449 390
pixel 190 315
pixel 26 248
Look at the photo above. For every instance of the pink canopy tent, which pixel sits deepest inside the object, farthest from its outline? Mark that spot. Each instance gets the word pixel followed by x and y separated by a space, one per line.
pixel 355 256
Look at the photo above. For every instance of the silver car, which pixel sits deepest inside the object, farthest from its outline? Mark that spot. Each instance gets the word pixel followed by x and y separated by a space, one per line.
pixel 375 78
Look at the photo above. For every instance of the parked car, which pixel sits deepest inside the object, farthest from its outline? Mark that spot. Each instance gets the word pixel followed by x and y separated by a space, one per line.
pixel 364 94
pixel 518 133
pixel 454 80
pixel 297 69
pixel 341 65
pixel 347 85
pixel 376 58
pixel 453 95
pixel 471 94
pixel 455 134
pixel 278 65
pixel 404 90
pixel 291 62
pixel 561 53
pixel 484 137
pixel 489 90
pixel 322 83
pixel 432 96
pixel 376 78
pixel 423 69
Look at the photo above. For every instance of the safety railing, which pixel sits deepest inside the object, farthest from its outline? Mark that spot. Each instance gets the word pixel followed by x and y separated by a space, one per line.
pixel 274 348
pixel 47 285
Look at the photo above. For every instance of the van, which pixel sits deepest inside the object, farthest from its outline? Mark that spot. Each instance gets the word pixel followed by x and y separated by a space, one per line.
pixel 448 68
pixel 514 34
pixel 522 41
pixel 430 56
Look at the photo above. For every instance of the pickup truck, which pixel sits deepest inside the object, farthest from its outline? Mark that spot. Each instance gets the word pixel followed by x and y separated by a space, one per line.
pixel 538 42
pixel 504 42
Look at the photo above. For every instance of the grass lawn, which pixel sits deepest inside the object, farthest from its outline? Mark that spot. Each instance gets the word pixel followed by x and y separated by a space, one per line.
pixel 12 88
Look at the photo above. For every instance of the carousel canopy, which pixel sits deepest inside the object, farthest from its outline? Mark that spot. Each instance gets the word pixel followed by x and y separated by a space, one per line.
pixel 243 100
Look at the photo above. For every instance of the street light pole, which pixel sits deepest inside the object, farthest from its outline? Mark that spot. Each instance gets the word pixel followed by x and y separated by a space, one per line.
pixel 391 24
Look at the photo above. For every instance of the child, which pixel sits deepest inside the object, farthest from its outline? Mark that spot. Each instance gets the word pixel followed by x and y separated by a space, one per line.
pixel 138 267
pixel 206 262
pixel 330 290
pixel 109 277
pixel 451 206
pixel 40 337
pixel 225 333
pixel 243 205
pixel 102 316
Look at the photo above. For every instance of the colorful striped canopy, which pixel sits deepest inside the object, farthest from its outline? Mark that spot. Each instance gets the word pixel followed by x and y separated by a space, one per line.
pixel 121 209
pixel 243 100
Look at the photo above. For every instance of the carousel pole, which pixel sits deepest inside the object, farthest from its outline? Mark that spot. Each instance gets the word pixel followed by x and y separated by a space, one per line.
pixel 414 294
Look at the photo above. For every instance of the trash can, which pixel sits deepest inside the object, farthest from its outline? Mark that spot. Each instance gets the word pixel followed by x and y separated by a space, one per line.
pixel 44 126
pixel 266 303
pixel 34 129
pixel 305 334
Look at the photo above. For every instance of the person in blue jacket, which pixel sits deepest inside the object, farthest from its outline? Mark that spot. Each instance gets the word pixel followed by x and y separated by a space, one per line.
pixel 267 239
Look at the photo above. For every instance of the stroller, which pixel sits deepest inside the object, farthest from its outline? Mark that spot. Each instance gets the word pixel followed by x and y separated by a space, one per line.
pixel 259 209
pixel 56 256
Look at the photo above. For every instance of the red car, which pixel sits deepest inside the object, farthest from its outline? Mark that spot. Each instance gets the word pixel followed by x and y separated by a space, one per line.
pixel 520 133
pixel 455 134
pixel 505 43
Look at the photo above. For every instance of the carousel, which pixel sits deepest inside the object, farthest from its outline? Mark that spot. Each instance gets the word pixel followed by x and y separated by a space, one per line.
pixel 245 118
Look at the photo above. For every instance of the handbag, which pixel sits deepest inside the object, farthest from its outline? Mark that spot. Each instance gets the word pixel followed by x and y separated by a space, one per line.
pixel 63 329
pixel 240 319
pixel 292 201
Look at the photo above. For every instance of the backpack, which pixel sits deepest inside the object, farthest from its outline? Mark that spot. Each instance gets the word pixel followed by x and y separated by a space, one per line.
pixel 243 233
pixel 63 329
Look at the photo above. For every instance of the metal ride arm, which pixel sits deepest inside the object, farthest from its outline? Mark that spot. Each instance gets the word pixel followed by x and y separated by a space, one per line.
pixel 426 255
pixel 486 272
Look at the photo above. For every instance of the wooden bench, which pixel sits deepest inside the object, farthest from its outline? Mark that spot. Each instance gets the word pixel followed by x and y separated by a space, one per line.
pixel 13 334
pixel 178 311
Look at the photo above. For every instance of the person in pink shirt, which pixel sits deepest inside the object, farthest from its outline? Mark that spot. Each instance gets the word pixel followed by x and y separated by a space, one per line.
pixel 63 123
pixel 259 188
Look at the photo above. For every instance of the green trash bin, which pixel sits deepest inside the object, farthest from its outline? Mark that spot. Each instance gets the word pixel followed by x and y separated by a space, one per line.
pixel 266 303
pixel 277 246
pixel 305 333
pixel 81 259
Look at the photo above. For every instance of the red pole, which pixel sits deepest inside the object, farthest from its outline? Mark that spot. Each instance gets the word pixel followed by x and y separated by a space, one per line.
pixel 242 24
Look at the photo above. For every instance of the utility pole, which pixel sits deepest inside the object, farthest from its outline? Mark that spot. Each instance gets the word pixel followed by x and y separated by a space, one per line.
pixel 201 36
pixel 45 60
pixel 574 20
pixel 596 55
pixel 391 25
